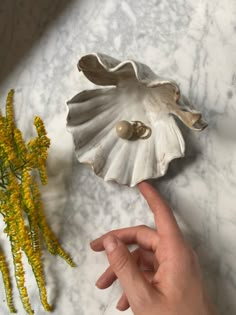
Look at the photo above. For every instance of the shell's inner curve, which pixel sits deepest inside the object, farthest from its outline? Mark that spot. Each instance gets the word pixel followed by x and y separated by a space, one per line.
pixel 140 96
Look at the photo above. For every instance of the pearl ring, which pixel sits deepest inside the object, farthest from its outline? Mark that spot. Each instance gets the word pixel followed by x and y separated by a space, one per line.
pixel 133 131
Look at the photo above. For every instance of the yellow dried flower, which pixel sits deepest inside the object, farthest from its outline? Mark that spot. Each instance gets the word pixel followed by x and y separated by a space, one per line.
pixel 21 205
pixel 43 172
pixel 51 241
pixel 9 112
pixel 6 148
pixel 19 142
pixel 7 282
pixel 39 126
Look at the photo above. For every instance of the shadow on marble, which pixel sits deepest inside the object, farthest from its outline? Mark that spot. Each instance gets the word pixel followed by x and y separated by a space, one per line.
pixel 57 204
pixel 224 127
pixel 192 153
pixel 22 24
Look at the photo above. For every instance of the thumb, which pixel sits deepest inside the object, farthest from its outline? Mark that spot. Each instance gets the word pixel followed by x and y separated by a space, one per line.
pixel 135 286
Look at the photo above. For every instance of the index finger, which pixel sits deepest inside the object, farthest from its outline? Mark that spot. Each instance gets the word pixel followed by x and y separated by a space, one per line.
pixel 164 218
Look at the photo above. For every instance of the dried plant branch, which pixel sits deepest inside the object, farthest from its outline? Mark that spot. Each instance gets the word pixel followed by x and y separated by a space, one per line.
pixel 21 205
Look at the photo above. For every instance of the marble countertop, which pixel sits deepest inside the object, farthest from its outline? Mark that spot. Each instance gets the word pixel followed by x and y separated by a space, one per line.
pixel 193 42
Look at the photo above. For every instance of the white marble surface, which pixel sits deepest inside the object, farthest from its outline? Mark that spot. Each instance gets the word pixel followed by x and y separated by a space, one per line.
pixel 194 42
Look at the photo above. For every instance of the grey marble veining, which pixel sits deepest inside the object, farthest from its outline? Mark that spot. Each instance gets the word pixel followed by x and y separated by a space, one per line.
pixel 191 42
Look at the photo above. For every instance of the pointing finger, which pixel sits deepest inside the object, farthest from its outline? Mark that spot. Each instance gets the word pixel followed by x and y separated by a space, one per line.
pixel 164 218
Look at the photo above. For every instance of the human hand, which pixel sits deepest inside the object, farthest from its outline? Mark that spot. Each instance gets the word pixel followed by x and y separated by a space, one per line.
pixel 162 276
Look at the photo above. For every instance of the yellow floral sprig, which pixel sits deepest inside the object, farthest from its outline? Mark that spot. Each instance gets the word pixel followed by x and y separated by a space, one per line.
pixel 21 205
pixel 7 282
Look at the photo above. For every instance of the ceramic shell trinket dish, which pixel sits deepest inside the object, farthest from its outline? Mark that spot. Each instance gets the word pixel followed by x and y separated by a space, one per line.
pixel 126 131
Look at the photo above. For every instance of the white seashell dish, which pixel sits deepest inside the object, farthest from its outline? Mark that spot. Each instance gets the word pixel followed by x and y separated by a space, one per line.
pixel 126 132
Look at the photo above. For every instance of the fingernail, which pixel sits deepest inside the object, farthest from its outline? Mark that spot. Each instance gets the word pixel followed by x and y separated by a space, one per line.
pixel 100 281
pixel 118 306
pixel 110 243
pixel 94 242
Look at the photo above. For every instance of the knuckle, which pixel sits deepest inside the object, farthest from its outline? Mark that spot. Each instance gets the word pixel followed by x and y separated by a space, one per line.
pixel 194 256
pixel 142 299
pixel 142 226
pixel 111 232
pixel 194 260
pixel 190 257
pixel 140 229
pixel 120 262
